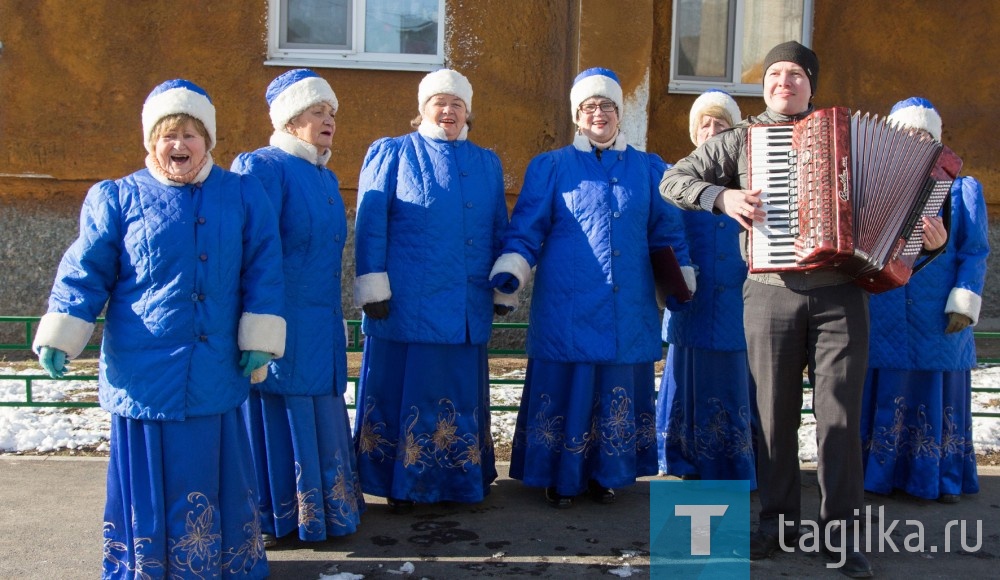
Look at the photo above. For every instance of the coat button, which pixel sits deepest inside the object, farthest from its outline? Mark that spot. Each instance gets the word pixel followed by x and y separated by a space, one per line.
pixel 468 204
pixel 201 219
pixel 194 297
pixel 202 338
pixel 203 257
pixel 330 201
pixel 616 253
pixel 468 242
pixel 617 214
pixel 614 180
pixel 201 297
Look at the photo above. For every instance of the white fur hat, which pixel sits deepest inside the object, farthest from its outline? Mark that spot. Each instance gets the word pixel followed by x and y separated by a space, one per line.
pixel 444 81
pixel 595 82
pixel 712 98
pixel 174 97
pixel 917 113
pixel 295 91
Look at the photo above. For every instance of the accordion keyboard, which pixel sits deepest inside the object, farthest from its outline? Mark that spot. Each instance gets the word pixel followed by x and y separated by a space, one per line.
pixel 773 171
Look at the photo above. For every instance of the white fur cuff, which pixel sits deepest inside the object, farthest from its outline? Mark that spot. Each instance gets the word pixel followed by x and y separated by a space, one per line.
pixel 964 302
pixel 263 332
pixel 370 288
pixel 64 332
pixel 512 263
pixel 690 278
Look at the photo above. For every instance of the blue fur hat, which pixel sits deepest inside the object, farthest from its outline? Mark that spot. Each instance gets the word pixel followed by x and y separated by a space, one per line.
pixel 917 113
pixel 595 82
pixel 174 97
pixel 295 91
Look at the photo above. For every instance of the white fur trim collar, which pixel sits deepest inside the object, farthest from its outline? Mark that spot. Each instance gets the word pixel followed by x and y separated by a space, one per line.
pixel 582 143
pixel 294 146
pixel 432 131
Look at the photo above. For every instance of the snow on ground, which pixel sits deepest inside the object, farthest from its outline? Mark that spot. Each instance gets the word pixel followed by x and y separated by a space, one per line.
pixel 50 429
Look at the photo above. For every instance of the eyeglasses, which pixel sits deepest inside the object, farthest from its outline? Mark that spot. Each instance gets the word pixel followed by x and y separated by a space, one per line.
pixel 606 106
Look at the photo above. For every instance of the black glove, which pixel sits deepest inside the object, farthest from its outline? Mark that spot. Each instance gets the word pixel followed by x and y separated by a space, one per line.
pixel 377 310
pixel 502 309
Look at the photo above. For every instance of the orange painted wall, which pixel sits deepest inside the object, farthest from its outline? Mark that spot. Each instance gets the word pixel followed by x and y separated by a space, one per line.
pixel 72 82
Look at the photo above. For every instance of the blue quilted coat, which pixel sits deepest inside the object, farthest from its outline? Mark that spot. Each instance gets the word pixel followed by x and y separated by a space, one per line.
pixel 431 214
pixel 589 225
pixel 907 324
pixel 180 269
pixel 313 228
pixel 714 318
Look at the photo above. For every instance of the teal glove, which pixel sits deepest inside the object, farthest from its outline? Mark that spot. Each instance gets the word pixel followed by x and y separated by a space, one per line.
pixel 252 360
pixel 53 361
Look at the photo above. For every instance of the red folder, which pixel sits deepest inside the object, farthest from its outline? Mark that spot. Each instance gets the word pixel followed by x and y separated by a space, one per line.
pixel 668 277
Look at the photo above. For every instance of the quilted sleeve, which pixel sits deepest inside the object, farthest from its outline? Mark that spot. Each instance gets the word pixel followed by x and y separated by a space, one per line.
pixel 531 220
pixel 269 177
pixel 86 275
pixel 376 186
pixel 970 233
pixel 262 326
pixel 666 223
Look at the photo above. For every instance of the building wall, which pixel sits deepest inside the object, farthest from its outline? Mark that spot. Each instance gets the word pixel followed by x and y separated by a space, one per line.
pixel 73 77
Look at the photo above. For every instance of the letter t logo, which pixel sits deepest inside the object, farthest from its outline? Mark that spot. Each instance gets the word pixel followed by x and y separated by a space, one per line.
pixel 701 525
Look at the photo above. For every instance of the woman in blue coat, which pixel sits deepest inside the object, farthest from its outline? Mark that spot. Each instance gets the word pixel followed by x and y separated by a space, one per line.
pixel 917 415
pixel 299 428
pixel 431 213
pixel 706 404
pixel 587 218
pixel 187 259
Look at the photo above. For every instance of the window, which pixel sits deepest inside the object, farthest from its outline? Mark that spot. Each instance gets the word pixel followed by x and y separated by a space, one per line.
pixel 722 43
pixel 374 34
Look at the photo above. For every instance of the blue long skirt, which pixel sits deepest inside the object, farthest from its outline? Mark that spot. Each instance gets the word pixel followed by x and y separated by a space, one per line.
pixel 181 500
pixel 579 422
pixel 422 431
pixel 706 415
pixel 916 432
pixel 304 459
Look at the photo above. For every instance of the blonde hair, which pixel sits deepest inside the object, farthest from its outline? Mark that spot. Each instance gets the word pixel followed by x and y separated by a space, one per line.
pixel 171 122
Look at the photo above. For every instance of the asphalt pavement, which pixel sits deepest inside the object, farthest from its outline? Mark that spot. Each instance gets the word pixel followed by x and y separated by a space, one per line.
pixel 51 511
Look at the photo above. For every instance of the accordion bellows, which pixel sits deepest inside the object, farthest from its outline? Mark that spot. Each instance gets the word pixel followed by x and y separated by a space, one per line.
pixel 847 192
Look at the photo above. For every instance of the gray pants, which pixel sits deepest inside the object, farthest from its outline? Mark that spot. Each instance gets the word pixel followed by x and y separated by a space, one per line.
pixel 823 330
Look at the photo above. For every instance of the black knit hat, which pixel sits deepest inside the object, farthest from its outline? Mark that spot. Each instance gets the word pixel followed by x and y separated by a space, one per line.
pixel 792 51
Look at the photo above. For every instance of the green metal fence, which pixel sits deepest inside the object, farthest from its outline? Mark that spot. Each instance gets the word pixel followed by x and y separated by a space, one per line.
pixel 28 323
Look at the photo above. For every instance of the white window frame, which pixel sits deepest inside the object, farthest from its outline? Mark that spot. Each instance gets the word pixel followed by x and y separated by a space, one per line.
pixel 356 57
pixel 732 85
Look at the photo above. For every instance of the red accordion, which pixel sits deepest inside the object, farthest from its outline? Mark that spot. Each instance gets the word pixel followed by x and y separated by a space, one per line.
pixel 845 192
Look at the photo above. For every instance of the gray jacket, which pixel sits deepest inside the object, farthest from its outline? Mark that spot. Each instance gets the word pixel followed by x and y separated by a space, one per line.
pixel 694 183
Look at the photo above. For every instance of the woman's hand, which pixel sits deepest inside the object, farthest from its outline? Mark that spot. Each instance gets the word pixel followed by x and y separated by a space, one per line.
pixel 252 360
pixel 53 361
